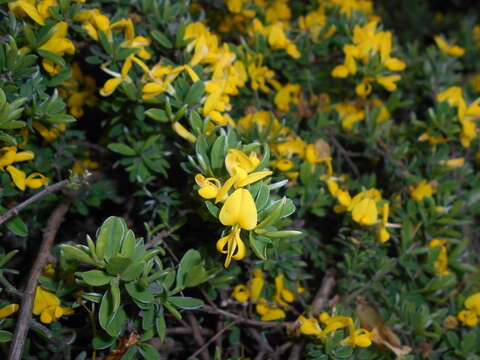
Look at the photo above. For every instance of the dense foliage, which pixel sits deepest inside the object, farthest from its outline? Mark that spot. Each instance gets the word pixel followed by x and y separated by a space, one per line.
pixel 239 179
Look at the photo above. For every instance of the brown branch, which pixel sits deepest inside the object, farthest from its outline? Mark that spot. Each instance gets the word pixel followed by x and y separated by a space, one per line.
pixel 187 331
pixel 321 298
pixel 25 314
pixel 296 353
pixel 213 338
pixel 345 154
pixel 48 190
pixel 197 335
pixel 264 324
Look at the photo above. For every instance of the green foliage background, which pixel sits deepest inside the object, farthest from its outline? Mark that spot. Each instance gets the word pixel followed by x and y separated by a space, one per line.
pixel 135 256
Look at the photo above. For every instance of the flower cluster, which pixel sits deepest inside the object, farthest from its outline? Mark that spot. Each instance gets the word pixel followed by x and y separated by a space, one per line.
pixel 239 210
pixel 357 337
pixel 368 46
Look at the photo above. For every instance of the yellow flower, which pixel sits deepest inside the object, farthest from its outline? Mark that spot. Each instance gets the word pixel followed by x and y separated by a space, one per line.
pixel 183 132
pixel 357 337
pixel 286 95
pixel 269 312
pixel 364 207
pixel 49 271
pixel 361 338
pixel 349 114
pixel 111 84
pixel 279 41
pixel 58 44
pixel 441 264
pixel 340 71
pixel 388 82
pixel 310 326
pixel 20 179
pixel 469 317
pixel 240 212
pixel 79 91
pixel 282 296
pixel 48 135
pixel 208 186
pixel 283 164
pixel 255 284
pixel 8 310
pixel 37 10
pixel 453 163
pixel 238 159
pixel 448 49
pixel 239 209
pixel 81 166
pixel 47 305
pixel 259 74
pixel 421 190
pixel 252 290
pixel 383 235
pixel 240 293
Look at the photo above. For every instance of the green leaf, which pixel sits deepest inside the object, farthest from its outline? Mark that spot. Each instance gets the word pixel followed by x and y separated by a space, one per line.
pixel 106 310
pixel 157 115
pixel 110 236
pixel 118 264
pixel 17 226
pixel 195 93
pixel 122 149
pixel 258 245
pixel 5 336
pixel 105 43
pixel 217 155
pixel 469 342
pixel 148 352
pixel 77 254
pixel 95 277
pixel 115 290
pixel 161 326
pixel 61 118
pixel 262 197
pixel 133 271
pixel 190 259
pixel 128 246
pixel 102 341
pixel 172 310
pixel 130 353
pixel 212 209
pixel 161 39
pixel 196 276
pixel 185 302
pixel 57 59
pixel 283 233
pixel 115 325
pixel 138 294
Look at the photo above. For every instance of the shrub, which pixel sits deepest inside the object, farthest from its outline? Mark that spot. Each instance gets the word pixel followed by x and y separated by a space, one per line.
pixel 245 179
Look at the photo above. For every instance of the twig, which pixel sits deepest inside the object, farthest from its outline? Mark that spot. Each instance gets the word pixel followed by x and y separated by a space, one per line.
pixel 264 346
pixel 213 338
pixel 197 335
pixel 296 352
pixel 280 350
pixel 186 331
pixel 265 324
pixel 25 315
pixel 324 292
pixel 48 190
pixel 345 154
